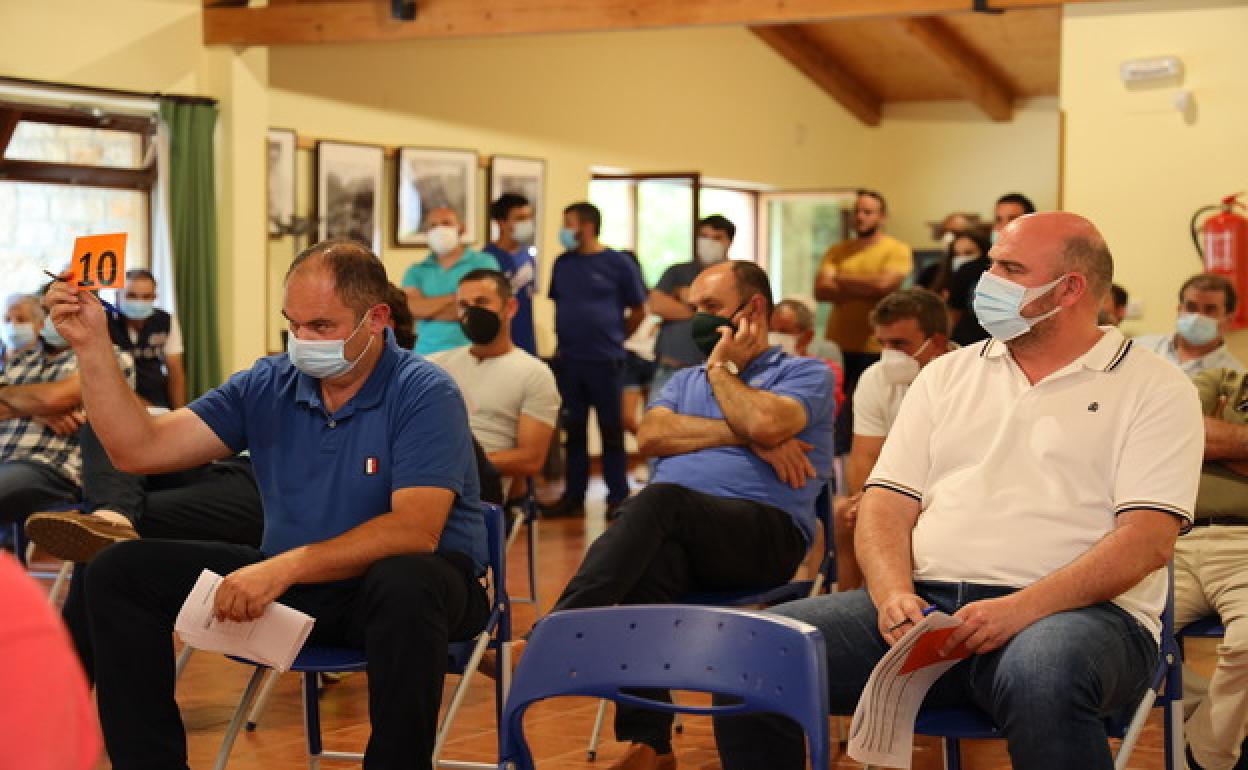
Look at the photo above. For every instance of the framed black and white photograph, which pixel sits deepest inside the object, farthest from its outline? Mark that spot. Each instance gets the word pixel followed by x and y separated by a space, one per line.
pixel 348 192
pixel 430 179
pixel 281 180
pixel 522 176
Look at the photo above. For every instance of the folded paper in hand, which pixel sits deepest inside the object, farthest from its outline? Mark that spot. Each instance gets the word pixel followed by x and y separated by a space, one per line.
pixel 273 639
pixel 882 732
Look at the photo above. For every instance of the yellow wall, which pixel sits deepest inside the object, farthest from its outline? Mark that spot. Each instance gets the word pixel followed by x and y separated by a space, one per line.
pixel 937 157
pixel 1134 165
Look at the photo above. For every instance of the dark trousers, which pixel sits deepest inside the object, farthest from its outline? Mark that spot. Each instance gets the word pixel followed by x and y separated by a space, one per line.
pixel 600 385
pixel 218 502
pixel 27 487
pixel 671 541
pixel 403 611
pixel 855 365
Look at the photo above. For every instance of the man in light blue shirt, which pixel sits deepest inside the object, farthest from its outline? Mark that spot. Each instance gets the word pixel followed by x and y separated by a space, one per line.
pixel 431 284
pixel 744 444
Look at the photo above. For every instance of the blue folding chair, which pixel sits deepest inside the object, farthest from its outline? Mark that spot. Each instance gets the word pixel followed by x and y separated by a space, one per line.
pixel 1165 690
pixel 770 663
pixel 464 658
pixel 24 550
pixel 1205 628
pixel 759 597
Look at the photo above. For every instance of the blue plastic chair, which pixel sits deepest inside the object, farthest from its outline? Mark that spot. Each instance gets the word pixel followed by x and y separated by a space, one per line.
pixel 771 663
pixel 759 597
pixel 1165 690
pixel 527 517
pixel 1205 628
pixel 464 657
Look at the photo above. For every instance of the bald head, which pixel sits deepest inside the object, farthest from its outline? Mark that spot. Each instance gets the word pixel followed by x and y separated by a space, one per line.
pixel 1055 243
pixel 725 288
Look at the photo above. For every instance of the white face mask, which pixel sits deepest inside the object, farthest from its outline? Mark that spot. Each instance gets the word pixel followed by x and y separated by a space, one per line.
pixel 324 359
pixel 443 239
pixel 710 250
pixel 947 238
pixel 787 342
pixel 901 368
pixel 523 231
pixel 959 262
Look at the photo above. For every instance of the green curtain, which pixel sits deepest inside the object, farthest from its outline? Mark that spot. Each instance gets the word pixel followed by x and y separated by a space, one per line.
pixel 193 235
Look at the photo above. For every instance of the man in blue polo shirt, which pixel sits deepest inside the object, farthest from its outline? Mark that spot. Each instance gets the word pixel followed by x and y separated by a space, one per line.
pixel 743 445
pixel 515 252
pixel 364 462
pixel 592 287
pixel 431 283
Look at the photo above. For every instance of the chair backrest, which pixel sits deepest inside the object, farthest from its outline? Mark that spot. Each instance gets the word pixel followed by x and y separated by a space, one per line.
pixel 496 560
pixel 771 664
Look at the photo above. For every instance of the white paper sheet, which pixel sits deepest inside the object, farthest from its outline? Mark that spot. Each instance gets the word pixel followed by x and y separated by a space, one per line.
pixel 273 639
pixel 882 731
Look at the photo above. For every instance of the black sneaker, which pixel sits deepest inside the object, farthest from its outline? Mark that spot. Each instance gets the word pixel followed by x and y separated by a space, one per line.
pixel 564 509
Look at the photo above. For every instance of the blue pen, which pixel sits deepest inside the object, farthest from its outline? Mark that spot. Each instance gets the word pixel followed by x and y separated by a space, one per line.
pixel 107 305
pixel 928 610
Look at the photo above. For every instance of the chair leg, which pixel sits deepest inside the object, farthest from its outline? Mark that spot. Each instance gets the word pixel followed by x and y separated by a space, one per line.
pixel 183 658
pixel 236 722
pixel 953 754
pixel 594 736
pixel 312 719
pixel 62 575
pixel 1132 735
pixel 262 701
pixel 457 699
pixel 532 535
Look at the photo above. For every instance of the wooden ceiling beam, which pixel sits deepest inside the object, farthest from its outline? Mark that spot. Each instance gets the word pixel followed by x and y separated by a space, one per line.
pixel 975 77
pixel 338 21
pixel 817 63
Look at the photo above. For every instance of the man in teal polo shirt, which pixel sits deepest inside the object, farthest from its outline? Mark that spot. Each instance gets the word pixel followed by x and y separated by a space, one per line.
pixel 431 284
pixel 372 522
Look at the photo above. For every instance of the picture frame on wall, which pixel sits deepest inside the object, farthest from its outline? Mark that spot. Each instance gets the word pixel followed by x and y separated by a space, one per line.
pixel 281 144
pixel 348 192
pixel 523 176
pixel 431 178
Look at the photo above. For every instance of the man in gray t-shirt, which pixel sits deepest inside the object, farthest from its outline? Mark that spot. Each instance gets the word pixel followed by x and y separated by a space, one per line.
pixel 674 349
pixel 511 396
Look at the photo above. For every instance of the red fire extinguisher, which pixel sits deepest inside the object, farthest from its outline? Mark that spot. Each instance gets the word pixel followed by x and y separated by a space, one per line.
pixel 1222 242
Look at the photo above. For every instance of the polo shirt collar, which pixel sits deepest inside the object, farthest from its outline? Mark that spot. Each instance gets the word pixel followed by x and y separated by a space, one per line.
pixel 1104 356
pixel 308 389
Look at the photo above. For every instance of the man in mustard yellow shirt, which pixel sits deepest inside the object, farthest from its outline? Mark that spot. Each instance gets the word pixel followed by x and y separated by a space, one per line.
pixel 855 274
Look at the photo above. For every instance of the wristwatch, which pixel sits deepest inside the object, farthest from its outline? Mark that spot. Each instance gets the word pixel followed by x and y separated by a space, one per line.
pixel 728 366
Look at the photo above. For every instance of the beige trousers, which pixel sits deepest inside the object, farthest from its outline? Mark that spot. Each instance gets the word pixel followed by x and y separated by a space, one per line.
pixel 1211 577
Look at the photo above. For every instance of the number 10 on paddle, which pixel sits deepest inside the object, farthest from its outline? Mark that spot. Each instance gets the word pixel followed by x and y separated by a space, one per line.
pixel 100 261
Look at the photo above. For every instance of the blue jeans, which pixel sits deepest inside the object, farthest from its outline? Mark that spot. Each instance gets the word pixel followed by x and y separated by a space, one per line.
pixel 1049 688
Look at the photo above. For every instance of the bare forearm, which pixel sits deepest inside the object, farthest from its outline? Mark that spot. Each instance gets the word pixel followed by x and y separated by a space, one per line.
pixel 669 308
pixel 868 288
pixel 353 552
pixel 857 469
pixel 38 400
pixel 517 462
pixel 1120 560
pixel 177 388
pixel 1223 440
pixel 433 308
pixel 117 415
pixel 755 415
pixel 677 434
pixel 636 315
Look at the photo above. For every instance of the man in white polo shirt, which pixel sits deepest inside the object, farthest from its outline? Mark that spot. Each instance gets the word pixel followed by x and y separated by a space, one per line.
pixel 512 398
pixel 912 327
pixel 1032 486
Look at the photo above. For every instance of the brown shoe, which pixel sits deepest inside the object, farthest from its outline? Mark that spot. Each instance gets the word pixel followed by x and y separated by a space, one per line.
pixel 639 756
pixel 489 661
pixel 75 536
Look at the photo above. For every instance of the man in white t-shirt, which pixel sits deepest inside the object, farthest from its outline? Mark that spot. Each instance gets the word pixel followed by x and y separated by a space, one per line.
pixel 512 398
pixel 1032 487
pixel 912 327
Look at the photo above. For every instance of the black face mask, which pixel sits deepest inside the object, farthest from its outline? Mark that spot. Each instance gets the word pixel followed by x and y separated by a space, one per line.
pixel 705 329
pixel 481 325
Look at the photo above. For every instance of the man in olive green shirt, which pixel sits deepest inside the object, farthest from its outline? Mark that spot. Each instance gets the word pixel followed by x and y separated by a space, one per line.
pixel 1209 567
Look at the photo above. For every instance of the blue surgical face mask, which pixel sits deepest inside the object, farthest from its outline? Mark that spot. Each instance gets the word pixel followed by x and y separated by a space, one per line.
pixel 568 239
pixel 137 309
pixel 1197 329
pixel 324 359
pixel 17 335
pixel 999 303
pixel 51 335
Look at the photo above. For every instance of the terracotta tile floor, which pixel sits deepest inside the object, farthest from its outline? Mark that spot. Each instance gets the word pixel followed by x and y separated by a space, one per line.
pixel 558 730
